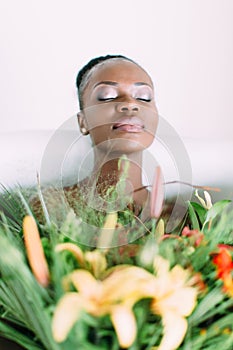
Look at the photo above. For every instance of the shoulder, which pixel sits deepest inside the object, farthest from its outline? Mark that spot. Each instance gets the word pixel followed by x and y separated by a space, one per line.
pixel 49 201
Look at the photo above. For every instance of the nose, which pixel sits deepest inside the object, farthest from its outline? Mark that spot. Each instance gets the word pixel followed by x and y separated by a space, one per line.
pixel 127 107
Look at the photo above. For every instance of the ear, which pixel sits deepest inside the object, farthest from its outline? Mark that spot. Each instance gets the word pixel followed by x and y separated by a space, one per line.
pixel 82 123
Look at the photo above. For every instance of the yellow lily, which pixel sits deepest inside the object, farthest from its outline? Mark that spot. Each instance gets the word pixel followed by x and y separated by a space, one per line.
pixel 115 295
pixel 122 287
pixel 174 300
pixel 94 261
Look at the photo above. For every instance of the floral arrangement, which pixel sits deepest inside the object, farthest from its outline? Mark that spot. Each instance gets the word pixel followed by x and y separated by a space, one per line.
pixel 162 292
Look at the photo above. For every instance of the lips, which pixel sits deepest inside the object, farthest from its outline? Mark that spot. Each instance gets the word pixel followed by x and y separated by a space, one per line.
pixel 132 124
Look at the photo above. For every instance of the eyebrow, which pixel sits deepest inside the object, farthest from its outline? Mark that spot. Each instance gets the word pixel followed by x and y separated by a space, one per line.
pixel 113 83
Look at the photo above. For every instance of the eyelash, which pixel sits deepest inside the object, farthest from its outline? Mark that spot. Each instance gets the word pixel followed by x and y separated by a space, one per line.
pixel 112 98
pixel 105 99
pixel 144 99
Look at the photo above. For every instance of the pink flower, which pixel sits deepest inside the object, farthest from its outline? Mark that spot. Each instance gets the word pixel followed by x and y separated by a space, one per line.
pixel 196 235
pixel 157 194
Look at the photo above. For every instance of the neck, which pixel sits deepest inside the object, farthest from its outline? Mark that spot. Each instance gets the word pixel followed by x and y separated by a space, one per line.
pixel 108 172
pixel 112 170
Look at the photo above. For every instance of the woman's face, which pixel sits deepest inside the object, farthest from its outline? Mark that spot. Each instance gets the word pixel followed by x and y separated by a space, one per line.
pixel 119 108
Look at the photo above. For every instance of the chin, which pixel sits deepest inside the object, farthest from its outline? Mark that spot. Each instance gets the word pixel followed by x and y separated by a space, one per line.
pixel 122 145
pixel 121 142
pixel 131 142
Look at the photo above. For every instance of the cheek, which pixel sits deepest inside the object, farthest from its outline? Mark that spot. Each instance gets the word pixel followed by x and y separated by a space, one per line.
pixel 99 122
pixel 99 134
pixel 155 125
pixel 148 139
pixel 151 123
pixel 99 116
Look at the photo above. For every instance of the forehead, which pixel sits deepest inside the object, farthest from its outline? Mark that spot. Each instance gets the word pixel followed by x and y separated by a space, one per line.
pixel 120 71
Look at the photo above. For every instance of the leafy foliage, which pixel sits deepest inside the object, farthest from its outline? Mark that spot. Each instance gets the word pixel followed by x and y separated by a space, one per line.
pixel 27 309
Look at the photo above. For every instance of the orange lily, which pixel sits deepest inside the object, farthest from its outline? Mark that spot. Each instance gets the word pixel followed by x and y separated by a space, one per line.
pixel 224 263
pixel 35 253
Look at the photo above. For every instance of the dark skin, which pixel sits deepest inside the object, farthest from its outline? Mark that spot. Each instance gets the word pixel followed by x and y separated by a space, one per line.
pixel 120 114
pixel 121 117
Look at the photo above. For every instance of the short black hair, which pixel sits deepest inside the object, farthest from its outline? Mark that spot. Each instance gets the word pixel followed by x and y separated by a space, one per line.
pixel 82 74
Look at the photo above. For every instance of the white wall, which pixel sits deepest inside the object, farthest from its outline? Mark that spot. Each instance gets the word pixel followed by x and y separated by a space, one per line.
pixel 186 46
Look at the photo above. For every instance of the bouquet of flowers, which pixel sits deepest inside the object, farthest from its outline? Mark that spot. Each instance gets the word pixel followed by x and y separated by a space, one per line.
pixel 161 291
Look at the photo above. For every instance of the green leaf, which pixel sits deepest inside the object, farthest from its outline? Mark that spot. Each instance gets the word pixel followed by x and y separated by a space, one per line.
pixel 193 217
pixel 216 209
pixel 18 337
pixel 205 306
pixel 21 295
pixel 201 212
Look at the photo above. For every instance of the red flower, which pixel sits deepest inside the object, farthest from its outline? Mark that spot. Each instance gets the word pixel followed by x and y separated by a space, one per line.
pixel 224 263
pixel 195 234
pixel 227 246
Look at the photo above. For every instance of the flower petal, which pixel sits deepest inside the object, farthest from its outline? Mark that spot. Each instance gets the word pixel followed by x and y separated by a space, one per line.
pixel 65 315
pixel 127 284
pixel 85 282
pixel 161 266
pixel 97 261
pixel 182 301
pixel 208 200
pixel 72 248
pixel 208 204
pixel 174 331
pixel 125 325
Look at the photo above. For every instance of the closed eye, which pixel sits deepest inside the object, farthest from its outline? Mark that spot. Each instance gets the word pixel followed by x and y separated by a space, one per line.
pixel 143 99
pixel 105 99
